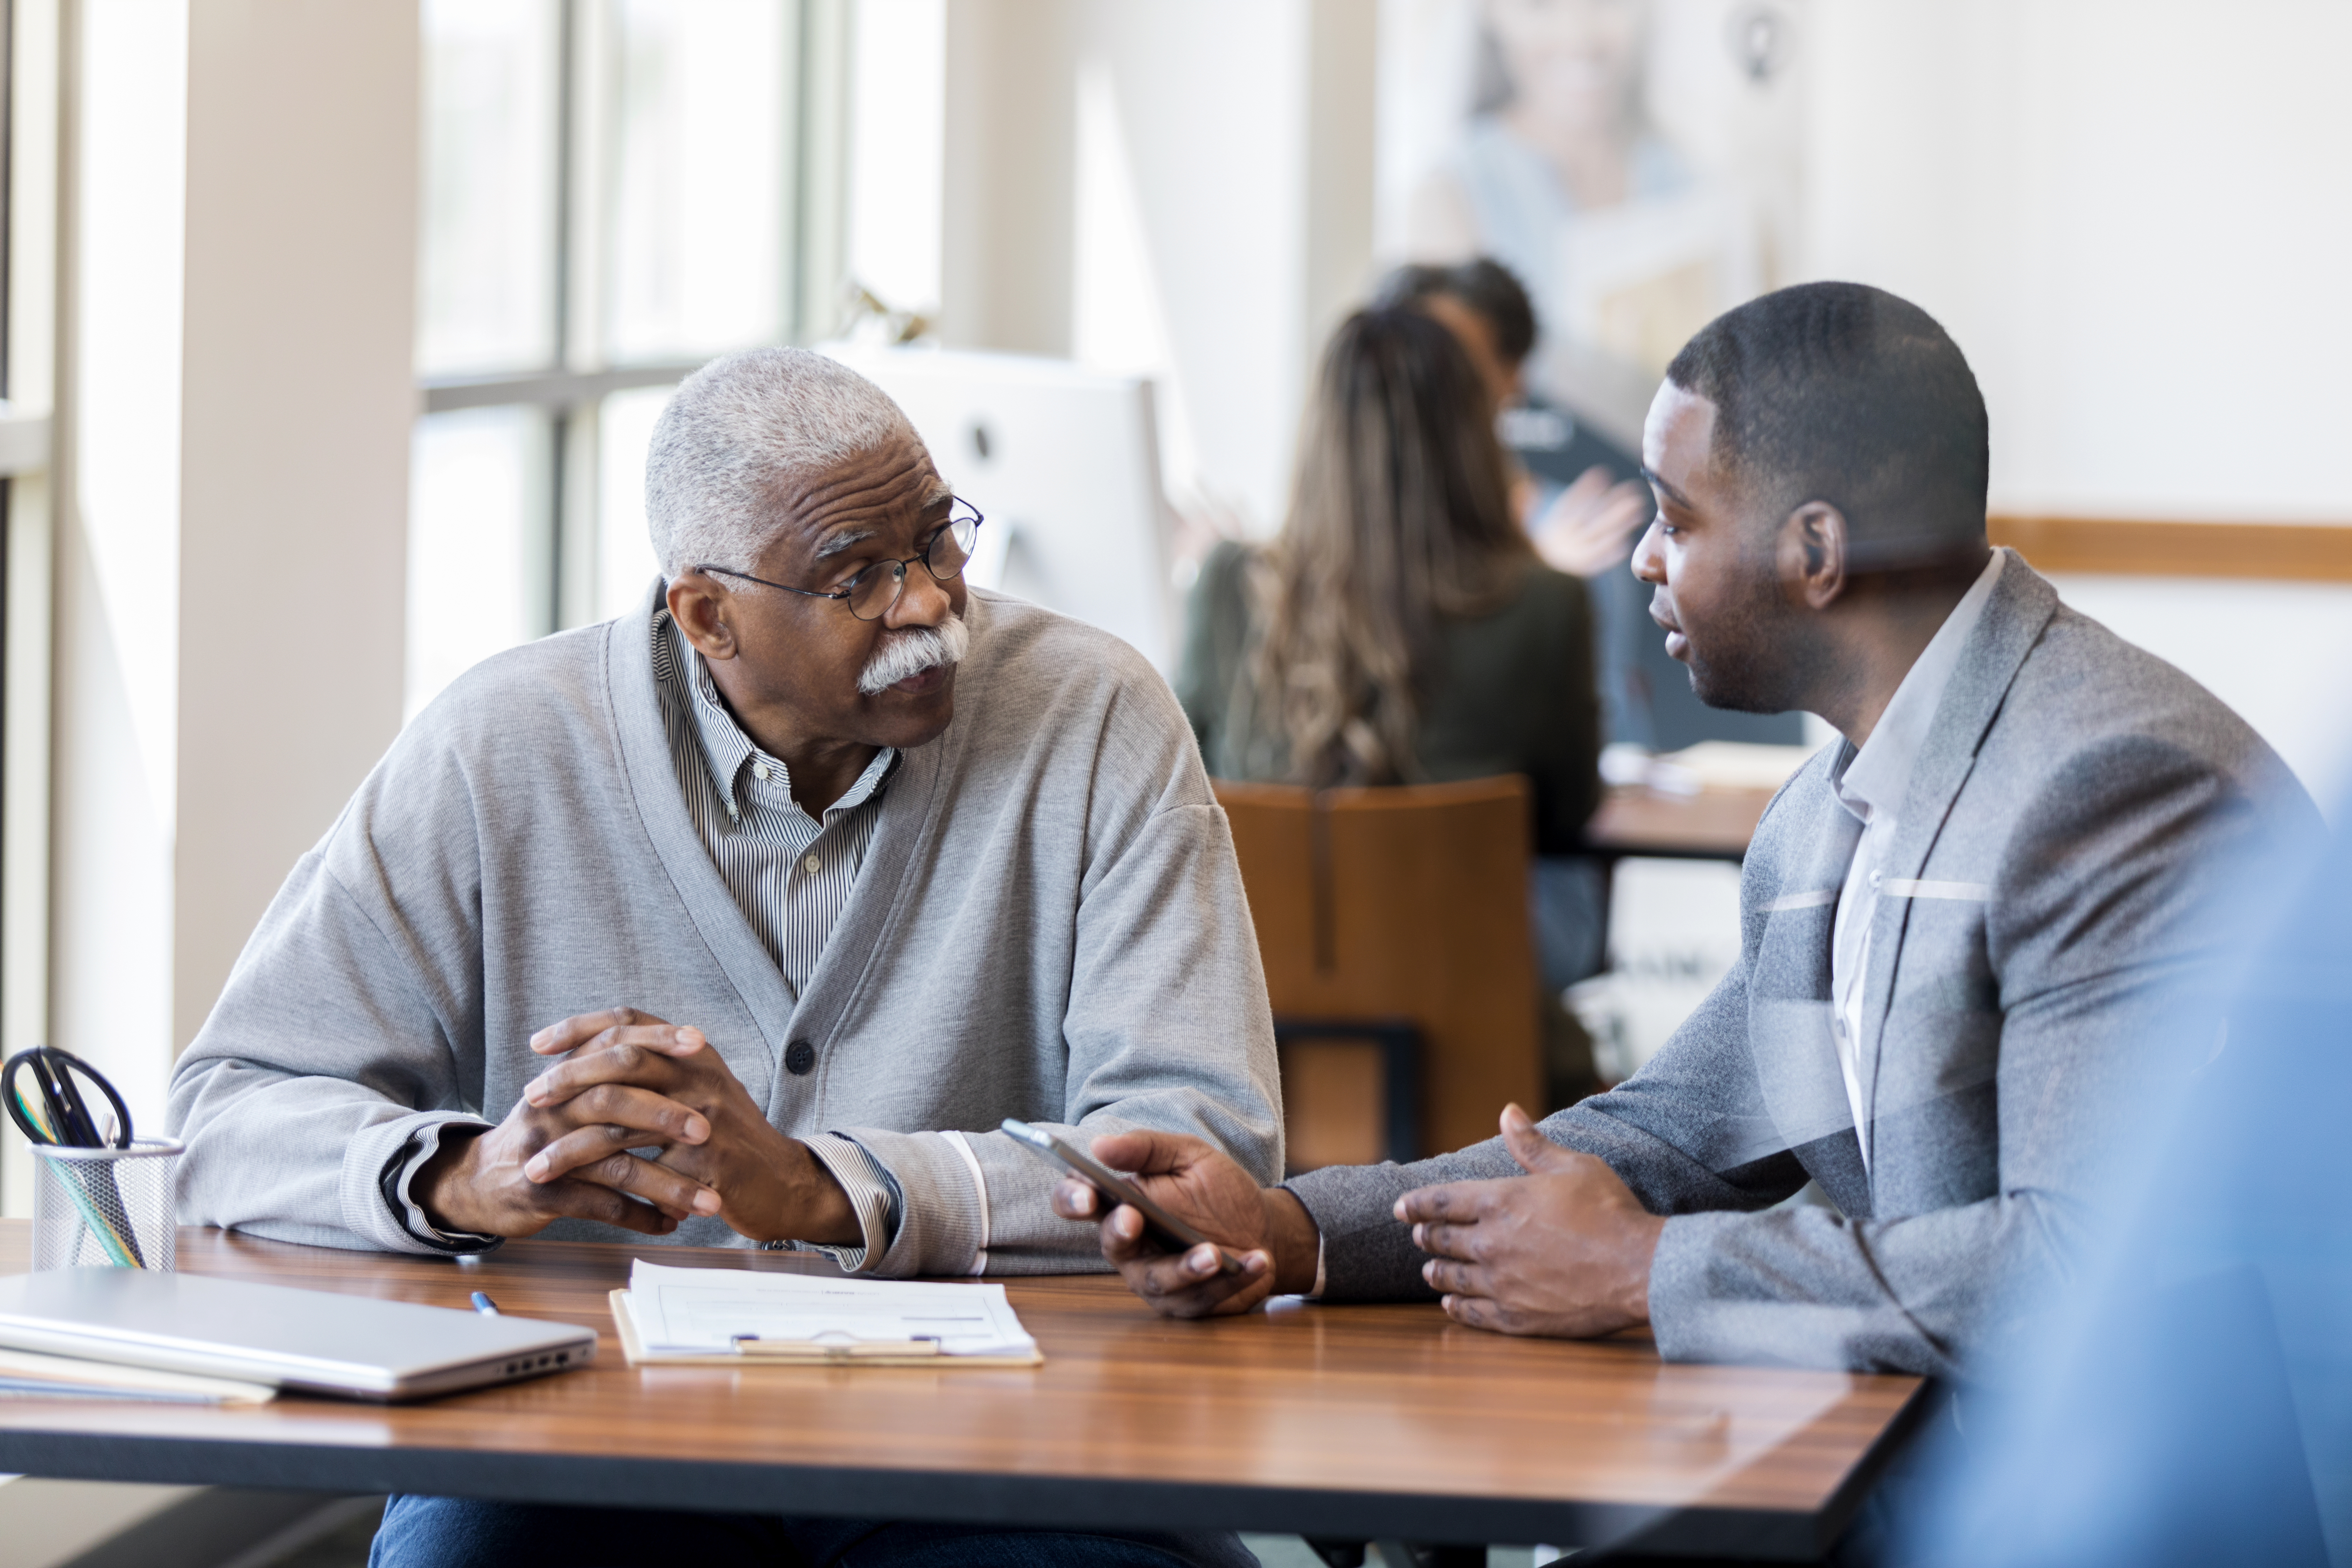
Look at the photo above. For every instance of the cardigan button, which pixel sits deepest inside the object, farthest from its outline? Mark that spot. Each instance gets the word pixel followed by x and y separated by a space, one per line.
pixel 799 1057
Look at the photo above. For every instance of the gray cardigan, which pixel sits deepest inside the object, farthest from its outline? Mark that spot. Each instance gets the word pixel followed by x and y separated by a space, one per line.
pixel 2079 812
pixel 1049 924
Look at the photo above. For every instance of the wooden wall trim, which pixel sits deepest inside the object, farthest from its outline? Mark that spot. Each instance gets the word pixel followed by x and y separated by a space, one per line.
pixel 2281 551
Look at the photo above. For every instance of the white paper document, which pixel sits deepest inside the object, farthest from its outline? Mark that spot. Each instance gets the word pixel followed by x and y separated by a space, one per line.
pixel 704 1311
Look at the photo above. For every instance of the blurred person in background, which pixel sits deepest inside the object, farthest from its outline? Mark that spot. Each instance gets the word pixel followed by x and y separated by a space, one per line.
pixel 1401 629
pixel 1584 527
pixel 1580 497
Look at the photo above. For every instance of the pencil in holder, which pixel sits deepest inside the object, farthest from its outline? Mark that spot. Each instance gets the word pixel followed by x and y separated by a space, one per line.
pixel 105 1207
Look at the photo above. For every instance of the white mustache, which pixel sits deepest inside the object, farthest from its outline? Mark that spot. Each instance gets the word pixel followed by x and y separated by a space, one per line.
pixel 909 653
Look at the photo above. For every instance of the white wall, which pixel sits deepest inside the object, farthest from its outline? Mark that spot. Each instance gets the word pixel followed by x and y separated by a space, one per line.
pixel 229 592
pixel 898 104
pixel 1180 191
pixel 1246 127
pixel 2134 217
pixel 2276 652
pixel 1008 174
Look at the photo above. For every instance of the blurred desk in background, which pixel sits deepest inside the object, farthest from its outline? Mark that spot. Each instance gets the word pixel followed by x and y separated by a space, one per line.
pixel 1671 920
pixel 1716 824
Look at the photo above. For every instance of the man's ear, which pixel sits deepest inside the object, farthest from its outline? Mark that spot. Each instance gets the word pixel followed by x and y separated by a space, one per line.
pixel 1813 554
pixel 701 608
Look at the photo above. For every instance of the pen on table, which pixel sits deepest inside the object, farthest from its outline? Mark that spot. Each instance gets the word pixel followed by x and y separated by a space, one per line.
pixel 484 1305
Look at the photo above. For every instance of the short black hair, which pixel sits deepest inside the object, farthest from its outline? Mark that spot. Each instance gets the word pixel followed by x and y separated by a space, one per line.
pixel 1842 393
pixel 1484 285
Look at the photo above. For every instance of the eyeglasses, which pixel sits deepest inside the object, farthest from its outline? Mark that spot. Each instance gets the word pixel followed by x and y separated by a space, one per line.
pixel 872 594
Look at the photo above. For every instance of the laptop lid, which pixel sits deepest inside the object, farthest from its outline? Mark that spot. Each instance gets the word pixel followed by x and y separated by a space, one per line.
pixel 319 1342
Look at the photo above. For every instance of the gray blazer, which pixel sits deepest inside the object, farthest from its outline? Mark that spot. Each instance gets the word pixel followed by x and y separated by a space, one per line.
pixel 2077 813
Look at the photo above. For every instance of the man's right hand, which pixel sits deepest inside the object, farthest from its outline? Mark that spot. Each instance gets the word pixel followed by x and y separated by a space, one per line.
pixel 476 1183
pixel 1202 1185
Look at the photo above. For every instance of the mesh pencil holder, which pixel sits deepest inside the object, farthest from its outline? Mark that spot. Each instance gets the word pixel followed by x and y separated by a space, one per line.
pixel 105 1207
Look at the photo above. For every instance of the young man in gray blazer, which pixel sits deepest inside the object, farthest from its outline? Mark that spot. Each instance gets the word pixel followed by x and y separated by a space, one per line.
pixel 1961 926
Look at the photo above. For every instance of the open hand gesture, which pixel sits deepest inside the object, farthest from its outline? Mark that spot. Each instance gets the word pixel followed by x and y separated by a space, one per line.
pixel 1590 526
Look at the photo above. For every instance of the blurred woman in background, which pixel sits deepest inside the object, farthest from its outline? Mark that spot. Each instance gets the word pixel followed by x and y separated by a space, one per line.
pixel 1401 629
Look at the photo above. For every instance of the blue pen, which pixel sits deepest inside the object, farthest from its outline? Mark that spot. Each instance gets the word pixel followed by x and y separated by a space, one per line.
pixel 484 1305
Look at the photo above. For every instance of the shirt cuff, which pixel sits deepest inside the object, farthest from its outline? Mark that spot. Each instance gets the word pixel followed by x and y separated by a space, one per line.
pixel 400 1173
pixel 873 1196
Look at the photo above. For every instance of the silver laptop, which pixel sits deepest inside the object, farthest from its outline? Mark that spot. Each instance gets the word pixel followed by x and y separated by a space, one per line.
pixel 318 1341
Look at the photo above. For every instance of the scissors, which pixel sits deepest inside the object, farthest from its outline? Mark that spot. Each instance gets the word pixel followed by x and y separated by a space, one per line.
pixel 58 1114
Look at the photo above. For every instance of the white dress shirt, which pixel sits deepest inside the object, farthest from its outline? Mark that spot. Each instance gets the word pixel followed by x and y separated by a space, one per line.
pixel 1872 786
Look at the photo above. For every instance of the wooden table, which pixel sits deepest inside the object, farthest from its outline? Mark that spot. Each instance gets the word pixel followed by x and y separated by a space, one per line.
pixel 1350 1421
pixel 1712 825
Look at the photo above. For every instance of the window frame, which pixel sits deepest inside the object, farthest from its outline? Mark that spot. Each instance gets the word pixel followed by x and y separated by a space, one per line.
pixel 571 391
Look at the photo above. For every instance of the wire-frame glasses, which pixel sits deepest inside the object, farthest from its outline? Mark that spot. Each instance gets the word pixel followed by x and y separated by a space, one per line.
pixel 873 592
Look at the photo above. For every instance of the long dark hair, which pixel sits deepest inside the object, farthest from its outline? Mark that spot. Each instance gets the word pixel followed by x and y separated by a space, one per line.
pixel 1400 516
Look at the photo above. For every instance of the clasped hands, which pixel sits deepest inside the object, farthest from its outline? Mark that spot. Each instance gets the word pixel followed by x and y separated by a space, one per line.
pixel 1562 1250
pixel 630 1081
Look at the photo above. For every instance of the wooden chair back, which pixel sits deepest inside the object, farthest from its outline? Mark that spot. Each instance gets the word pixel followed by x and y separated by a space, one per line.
pixel 1407 903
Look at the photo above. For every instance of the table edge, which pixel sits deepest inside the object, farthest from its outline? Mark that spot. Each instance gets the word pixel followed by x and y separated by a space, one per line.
pixel 947 1496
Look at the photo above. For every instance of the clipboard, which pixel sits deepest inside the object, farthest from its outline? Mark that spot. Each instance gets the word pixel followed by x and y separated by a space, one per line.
pixel 753 1353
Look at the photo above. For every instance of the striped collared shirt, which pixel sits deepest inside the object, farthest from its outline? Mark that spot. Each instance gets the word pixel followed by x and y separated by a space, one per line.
pixel 790 873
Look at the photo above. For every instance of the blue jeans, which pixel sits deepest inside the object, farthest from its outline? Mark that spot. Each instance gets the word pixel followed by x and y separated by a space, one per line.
pixel 460 1533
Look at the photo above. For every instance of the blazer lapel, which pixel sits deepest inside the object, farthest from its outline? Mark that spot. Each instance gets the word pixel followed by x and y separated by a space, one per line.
pixel 1788 991
pixel 2021 605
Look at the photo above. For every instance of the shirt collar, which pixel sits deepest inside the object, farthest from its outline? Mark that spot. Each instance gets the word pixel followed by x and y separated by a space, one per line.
pixel 728 750
pixel 1876 777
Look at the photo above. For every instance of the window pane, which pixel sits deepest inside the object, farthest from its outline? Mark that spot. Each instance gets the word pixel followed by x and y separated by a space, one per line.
pixel 479 527
pixel 626 566
pixel 487 287
pixel 700 178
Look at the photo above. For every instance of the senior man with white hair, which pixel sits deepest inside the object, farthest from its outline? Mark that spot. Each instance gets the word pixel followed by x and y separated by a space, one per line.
pixel 736 920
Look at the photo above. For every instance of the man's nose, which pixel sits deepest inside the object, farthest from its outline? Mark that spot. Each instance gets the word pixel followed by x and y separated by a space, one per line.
pixel 1650 556
pixel 922 601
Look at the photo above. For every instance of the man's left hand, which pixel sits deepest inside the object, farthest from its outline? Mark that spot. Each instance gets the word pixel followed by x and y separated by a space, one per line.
pixel 770 1188
pixel 1563 1251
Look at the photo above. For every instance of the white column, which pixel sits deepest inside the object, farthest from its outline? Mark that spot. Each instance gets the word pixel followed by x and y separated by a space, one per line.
pixel 302 252
pixel 116 717
pixel 231 547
